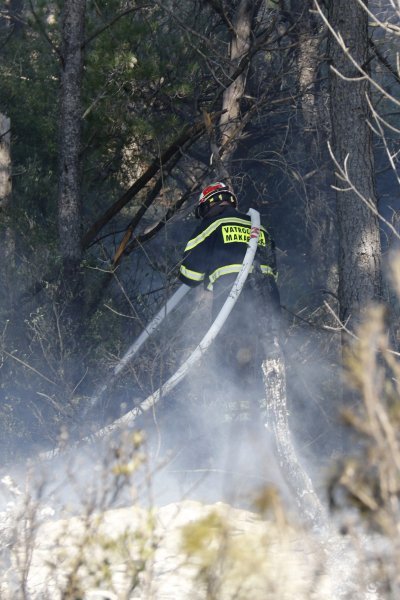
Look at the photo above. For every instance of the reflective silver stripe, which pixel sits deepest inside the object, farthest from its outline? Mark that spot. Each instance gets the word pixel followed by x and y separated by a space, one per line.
pixel 211 228
pixel 193 275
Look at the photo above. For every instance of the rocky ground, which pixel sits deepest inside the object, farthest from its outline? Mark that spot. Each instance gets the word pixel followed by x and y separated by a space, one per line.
pixel 179 551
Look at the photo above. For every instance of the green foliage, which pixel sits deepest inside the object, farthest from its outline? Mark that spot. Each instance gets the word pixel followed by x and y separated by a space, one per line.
pixel 28 95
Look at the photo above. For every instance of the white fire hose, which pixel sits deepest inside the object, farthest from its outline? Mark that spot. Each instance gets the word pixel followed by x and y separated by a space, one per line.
pixel 166 309
pixel 197 353
pixel 138 343
pixel 209 337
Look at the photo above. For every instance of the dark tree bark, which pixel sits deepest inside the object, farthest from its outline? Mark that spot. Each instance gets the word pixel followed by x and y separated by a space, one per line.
pixel 5 162
pixel 359 239
pixel 312 152
pixel 69 193
pixel 69 200
pixel 307 59
pixel 241 38
pixel 7 238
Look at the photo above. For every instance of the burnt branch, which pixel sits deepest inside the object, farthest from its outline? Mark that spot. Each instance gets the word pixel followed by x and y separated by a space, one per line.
pixel 188 133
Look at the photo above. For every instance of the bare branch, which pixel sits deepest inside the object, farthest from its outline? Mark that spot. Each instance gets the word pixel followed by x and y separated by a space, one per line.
pixel 27 366
pixel 381 134
pixel 151 196
pixel 189 132
pixel 219 9
pixel 384 24
pixel 341 326
pixel 354 62
pixel 384 61
pixel 344 174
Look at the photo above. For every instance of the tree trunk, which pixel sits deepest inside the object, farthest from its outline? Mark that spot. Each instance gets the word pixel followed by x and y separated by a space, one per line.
pixel 312 152
pixel 307 62
pixel 359 239
pixel 69 201
pixel 242 22
pixel 5 162
pixel 7 239
pixel 277 414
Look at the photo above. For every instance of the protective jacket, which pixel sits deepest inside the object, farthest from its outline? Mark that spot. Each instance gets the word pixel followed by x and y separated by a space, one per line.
pixel 217 248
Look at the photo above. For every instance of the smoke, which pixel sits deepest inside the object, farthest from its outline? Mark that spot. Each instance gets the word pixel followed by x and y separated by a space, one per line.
pixel 191 447
pixel 211 425
pixel 207 438
pixel 194 444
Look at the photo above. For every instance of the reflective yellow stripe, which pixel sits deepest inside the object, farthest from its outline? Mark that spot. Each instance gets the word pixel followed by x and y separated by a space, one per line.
pixel 235 268
pixel 211 228
pixel 194 275
pixel 266 270
pixel 226 270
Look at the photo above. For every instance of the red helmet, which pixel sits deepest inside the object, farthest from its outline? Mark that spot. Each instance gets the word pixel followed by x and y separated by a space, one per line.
pixel 215 192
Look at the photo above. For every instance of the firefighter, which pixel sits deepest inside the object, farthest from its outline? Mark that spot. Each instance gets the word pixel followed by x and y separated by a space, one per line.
pixel 213 257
